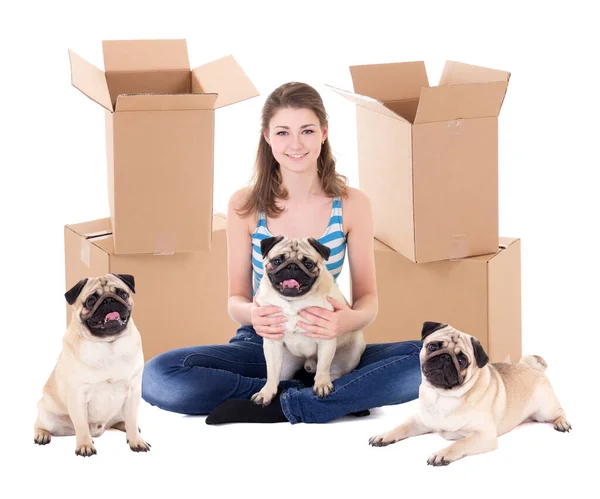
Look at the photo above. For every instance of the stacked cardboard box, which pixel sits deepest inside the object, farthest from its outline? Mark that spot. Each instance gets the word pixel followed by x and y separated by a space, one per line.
pixel 428 160
pixel 160 118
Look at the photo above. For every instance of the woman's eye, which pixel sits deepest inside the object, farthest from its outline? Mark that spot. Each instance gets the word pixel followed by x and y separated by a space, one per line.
pixel 281 133
pixel 308 264
pixel 308 131
pixel 89 303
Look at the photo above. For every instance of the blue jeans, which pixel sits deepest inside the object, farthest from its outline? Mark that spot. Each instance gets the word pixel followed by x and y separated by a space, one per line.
pixel 194 380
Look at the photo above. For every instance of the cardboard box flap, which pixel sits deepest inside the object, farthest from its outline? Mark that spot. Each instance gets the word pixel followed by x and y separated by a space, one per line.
pixel 391 81
pixel 454 102
pixel 367 102
pixel 226 78
pixel 506 242
pixel 164 102
pixel 503 243
pixel 145 55
pixel 92 228
pixel 106 243
pixel 219 221
pixel 90 80
pixel 455 73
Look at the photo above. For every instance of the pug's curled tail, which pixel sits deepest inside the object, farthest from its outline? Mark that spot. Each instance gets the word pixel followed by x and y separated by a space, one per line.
pixel 535 361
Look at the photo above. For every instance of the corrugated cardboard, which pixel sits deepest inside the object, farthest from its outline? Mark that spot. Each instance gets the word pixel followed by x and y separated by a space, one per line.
pixel 159 139
pixel 180 299
pixel 428 156
pixel 479 295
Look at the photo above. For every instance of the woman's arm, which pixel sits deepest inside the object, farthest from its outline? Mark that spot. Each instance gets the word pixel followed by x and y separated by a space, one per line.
pixel 239 249
pixel 240 305
pixel 358 222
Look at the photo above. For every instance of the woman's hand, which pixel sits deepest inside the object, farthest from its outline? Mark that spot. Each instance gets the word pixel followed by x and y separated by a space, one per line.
pixel 326 324
pixel 264 323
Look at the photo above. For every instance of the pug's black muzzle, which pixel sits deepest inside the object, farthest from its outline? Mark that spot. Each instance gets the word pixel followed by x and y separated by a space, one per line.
pixel 282 278
pixel 109 316
pixel 442 370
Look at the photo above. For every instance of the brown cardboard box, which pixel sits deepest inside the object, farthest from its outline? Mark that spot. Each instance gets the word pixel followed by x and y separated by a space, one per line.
pixel 428 156
pixel 180 299
pixel 479 295
pixel 159 139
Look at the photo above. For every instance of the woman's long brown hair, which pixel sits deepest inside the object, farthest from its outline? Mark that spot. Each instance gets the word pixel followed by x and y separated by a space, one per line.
pixel 266 185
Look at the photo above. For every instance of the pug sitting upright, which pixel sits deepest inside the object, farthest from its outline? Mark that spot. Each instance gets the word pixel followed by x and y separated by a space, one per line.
pixel 296 278
pixel 465 398
pixel 96 383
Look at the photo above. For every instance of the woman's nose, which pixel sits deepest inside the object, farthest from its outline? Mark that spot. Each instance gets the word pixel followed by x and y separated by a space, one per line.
pixel 297 142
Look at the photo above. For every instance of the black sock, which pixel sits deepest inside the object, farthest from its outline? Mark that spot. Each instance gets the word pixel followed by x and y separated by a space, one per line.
pixel 246 411
pixel 306 378
pixel 361 414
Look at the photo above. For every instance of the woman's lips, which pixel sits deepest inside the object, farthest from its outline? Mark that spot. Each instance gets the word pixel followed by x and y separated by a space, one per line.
pixel 296 157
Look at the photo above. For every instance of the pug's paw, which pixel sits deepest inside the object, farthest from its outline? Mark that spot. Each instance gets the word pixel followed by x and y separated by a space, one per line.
pixel 383 439
pixel 139 445
pixel 441 458
pixel 323 387
pixel 85 448
pixel 264 397
pixel 561 424
pixel 41 436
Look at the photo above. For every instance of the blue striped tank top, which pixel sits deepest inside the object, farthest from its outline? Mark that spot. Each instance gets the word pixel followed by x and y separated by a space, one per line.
pixel 333 237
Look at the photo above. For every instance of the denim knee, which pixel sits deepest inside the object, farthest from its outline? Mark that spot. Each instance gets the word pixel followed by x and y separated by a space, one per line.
pixel 166 384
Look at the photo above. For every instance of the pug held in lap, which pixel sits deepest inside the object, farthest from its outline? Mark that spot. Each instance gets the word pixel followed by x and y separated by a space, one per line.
pixel 296 278
pixel 465 398
pixel 96 383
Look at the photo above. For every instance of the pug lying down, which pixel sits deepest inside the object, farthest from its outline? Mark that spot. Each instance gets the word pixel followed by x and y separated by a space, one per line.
pixel 465 398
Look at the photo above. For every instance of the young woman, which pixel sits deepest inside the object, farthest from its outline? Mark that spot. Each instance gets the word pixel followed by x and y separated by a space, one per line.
pixel 296 192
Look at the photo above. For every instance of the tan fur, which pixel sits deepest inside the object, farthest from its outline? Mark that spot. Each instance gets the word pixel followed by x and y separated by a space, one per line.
pixel 489 402
pixel 96 382
pixel 331 358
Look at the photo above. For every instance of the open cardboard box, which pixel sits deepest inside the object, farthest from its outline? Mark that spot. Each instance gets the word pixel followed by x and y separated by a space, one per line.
pixel 159 139
pixel 180 299
pixel 428 156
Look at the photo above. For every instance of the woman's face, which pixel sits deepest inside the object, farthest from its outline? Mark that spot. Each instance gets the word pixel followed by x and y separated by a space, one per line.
pixel 296 136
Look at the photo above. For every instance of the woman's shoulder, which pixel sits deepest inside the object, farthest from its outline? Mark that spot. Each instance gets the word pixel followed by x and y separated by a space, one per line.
pixel 355 205
pixel 236 207
pixel 355 200
pixel 239 199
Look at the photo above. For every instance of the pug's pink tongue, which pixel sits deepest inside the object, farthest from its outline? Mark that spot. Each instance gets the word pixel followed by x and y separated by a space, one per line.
pixel 290 283
pixel 113 316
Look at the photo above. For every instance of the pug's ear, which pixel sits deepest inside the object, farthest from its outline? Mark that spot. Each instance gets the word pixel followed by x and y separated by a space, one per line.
pixel 323 250
pixel 268 243
pixel 127 279
pixel 431 327
pixel 480 356
pixel 74 292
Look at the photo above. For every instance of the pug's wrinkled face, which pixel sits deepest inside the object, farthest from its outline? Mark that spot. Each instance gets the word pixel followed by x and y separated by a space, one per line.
pixel 449 357
pixel 103 304
pixel 293 265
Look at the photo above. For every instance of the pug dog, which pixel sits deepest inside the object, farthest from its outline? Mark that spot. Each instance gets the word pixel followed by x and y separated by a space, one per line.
pixel 465 398
pixel 295 277
pixel 96 382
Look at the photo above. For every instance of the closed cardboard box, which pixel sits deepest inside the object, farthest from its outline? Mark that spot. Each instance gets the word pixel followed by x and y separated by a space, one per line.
pixel 479 295
pixel 180 299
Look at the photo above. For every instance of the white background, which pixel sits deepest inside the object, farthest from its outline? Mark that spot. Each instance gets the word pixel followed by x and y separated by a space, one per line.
pixel 54 173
